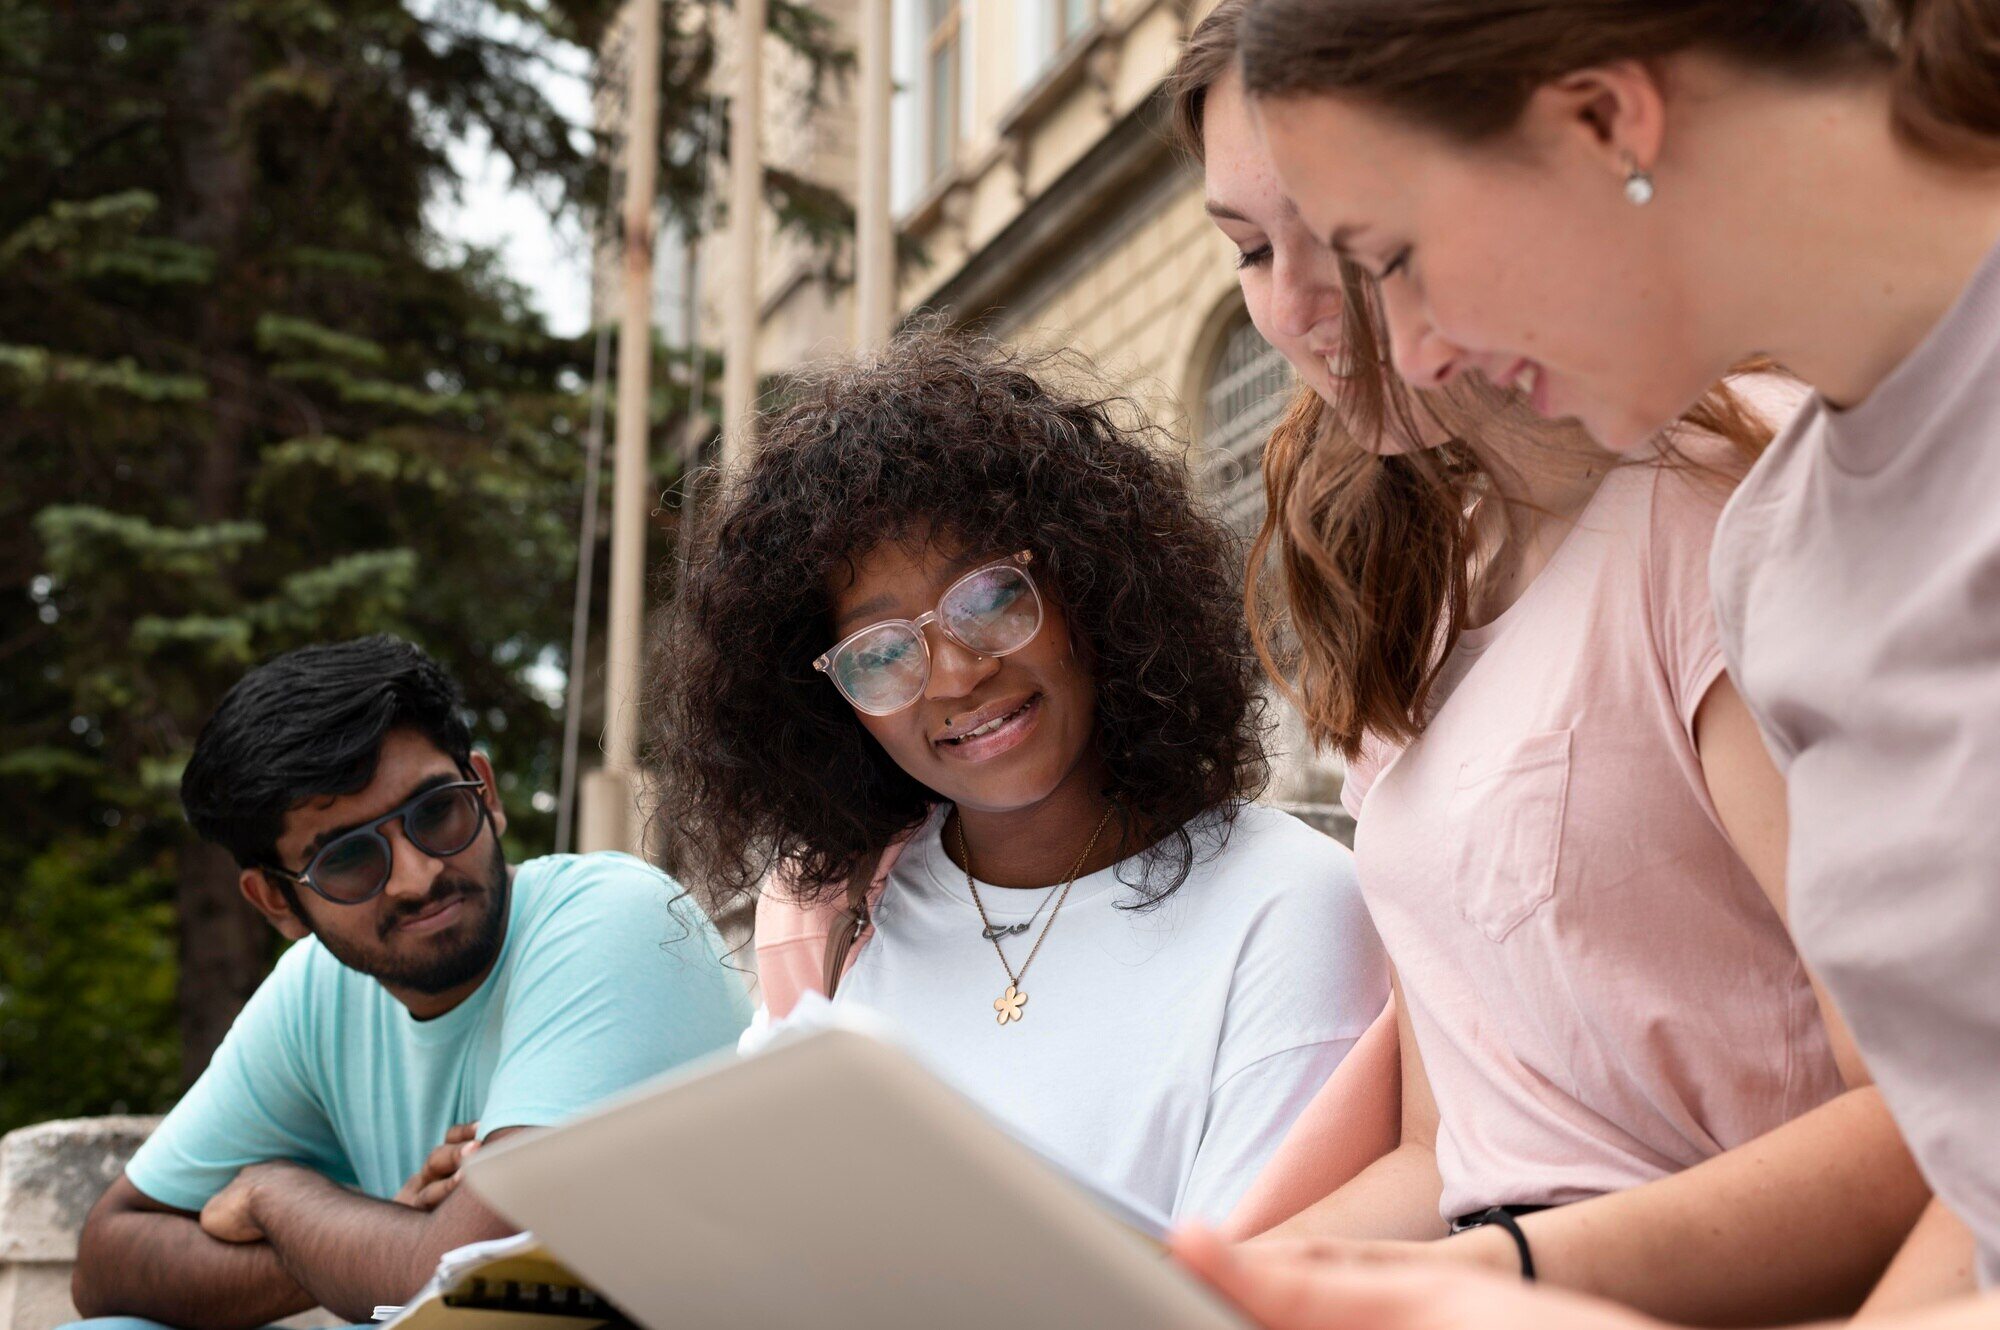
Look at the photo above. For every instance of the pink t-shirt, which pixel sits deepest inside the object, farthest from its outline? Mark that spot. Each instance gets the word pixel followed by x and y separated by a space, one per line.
pixel 1601 992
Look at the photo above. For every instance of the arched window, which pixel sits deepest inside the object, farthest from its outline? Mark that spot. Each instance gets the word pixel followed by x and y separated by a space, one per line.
pixel 1248 386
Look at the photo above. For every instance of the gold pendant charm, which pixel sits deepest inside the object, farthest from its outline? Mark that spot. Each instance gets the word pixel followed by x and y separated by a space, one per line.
pixel 1009 1004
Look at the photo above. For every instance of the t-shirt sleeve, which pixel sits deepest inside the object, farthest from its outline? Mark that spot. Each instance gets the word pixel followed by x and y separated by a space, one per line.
pixel 1249 1116
pixel 1310 977
pixel 1686 507
pixel 1360 775
pixel 254 1103
pixel 622 979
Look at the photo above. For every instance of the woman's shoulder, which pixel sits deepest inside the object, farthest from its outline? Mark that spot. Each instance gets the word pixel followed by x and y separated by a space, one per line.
pixel 1699 468
pixel 1270 853
pixel 1293 891
pixel 1275 825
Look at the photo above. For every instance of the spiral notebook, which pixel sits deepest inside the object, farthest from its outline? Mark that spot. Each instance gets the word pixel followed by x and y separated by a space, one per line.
pixel 506 1284
pixel 833 1182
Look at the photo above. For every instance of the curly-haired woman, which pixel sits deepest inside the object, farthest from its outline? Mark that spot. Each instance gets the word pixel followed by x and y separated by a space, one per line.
pixel 962 649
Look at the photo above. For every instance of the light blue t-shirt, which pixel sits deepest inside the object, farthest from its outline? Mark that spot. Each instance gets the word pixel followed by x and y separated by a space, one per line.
pixel 608 975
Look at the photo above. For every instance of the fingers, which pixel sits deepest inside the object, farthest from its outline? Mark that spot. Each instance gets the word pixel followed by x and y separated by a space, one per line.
pixel 438 1176
pixel 1233 1273
pixel 226 1217
pixel 1198 1247
pixel 1284 1292
pixel 1324 1251
pixel 441 1163
pixel 447 1159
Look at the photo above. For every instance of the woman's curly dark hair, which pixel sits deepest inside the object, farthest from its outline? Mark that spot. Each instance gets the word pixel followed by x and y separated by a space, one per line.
pixel 760 764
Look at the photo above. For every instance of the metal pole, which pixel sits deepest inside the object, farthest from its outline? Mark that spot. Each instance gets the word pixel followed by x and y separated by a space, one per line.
pixel 631 476
pixel 586 561
pixel 874 236
pixel 746 191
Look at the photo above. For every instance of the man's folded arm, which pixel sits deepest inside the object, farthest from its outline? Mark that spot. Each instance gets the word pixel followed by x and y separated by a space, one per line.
pixel 349 1252
pixel 138 1257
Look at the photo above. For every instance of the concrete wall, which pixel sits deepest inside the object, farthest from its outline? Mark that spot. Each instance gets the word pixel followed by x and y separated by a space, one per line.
pixel 50 1176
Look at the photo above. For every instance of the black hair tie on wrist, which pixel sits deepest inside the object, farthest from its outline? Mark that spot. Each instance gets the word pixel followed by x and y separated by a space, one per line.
pixel 1500 1216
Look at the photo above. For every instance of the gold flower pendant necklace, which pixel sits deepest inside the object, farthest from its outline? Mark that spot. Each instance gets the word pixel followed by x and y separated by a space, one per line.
pixel 1009 1003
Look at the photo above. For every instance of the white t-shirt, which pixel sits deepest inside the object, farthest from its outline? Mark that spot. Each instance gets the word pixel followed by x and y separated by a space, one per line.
pixel 1163 1053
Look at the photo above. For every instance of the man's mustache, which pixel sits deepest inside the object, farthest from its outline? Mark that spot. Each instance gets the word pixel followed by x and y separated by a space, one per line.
pixel 447 889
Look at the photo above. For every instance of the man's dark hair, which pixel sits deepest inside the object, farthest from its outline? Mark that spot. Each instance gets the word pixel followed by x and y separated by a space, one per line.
pixel 310 724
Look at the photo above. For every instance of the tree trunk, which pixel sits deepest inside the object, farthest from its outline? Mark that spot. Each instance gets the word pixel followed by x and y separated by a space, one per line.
pixel 216 163
pixel 225 949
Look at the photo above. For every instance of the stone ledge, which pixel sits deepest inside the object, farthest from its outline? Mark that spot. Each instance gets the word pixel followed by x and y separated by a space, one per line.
pixel 1332 819
pixel 50 1176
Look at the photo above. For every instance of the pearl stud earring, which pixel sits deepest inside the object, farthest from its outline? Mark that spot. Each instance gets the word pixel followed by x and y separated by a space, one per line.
pixel 1638 185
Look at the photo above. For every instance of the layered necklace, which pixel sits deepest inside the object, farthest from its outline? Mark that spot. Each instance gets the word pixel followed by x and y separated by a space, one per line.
pixel 1008 1005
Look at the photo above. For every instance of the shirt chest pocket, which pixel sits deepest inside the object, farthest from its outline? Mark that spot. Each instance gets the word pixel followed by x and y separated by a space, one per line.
pixel 1506 820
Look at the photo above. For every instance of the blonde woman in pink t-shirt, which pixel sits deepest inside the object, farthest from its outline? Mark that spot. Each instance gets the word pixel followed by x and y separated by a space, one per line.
pixel 1569 835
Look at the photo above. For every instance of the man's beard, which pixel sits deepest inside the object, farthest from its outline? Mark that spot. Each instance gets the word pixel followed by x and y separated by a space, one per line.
pixel 450 968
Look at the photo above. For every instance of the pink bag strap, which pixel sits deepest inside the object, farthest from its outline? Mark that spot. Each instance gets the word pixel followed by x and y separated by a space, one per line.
pixel 850 921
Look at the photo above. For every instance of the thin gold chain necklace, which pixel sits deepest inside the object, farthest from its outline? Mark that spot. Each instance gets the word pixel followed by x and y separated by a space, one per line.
pixel 1009 1003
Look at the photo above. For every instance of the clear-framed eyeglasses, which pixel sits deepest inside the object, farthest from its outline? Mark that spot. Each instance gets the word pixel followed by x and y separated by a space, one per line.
pixel 993 610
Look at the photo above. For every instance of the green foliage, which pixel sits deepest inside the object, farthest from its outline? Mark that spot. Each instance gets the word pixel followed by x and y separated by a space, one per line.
pixel 253 401
pixel 36 368
pixel 87 979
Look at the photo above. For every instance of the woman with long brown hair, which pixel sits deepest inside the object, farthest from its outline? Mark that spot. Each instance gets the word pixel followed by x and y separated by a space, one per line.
pixel 1607 205
pixel 1569 834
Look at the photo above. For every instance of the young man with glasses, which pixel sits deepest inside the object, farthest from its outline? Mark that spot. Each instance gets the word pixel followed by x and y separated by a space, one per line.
pixel 437 999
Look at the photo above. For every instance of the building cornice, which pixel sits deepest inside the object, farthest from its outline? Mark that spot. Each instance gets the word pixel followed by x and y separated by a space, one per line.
pixel 1127 170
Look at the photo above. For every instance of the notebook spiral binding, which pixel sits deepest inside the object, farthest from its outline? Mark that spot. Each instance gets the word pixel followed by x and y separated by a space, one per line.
pixel 540 1299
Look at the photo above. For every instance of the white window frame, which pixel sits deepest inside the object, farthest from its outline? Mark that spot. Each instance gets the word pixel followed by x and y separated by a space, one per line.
pixel 1061 34
pixel 943 34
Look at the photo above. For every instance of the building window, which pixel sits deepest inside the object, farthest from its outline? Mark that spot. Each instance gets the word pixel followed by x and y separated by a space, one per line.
pixel 1069 18
pixel 941 86
pixel 1248 387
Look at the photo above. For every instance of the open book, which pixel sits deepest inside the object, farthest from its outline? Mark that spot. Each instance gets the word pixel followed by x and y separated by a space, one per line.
pixel 830 1181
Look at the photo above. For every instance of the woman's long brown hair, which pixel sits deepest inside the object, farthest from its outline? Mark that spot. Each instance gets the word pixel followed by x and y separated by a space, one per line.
pixel 1361 577
pixel 1466 68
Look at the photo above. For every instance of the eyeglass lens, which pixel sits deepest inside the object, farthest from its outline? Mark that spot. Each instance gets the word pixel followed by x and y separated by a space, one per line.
pixel 355 866
pixel 992 612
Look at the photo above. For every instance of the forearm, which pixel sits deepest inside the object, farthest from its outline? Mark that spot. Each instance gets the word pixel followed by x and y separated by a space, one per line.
pixel 1795 1224
pixel 1934 1265
pixel 353 1253
pixel 1968 1313
pixel 162 1267
pixel 1394 1197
